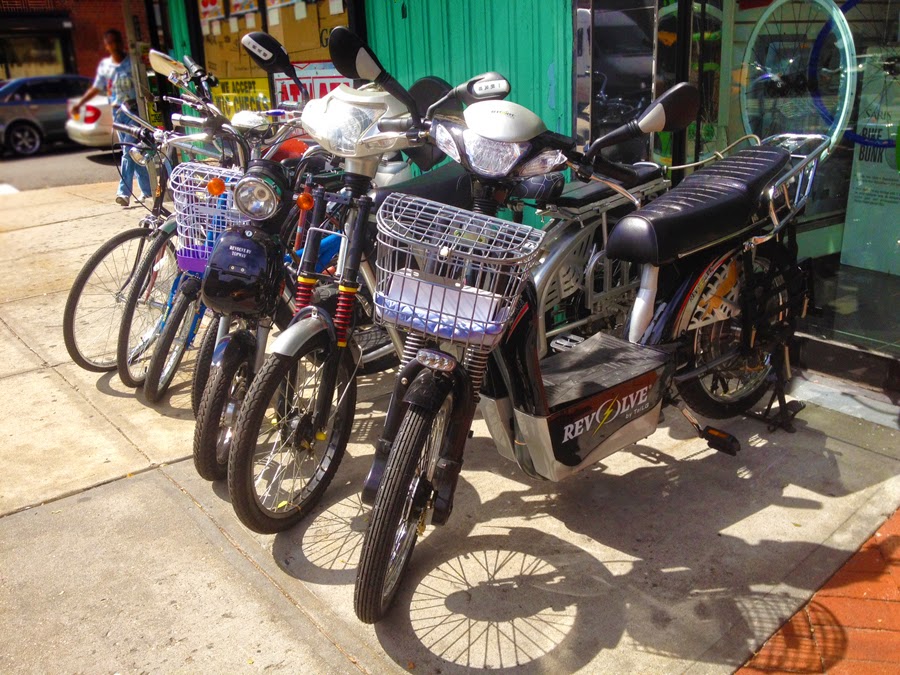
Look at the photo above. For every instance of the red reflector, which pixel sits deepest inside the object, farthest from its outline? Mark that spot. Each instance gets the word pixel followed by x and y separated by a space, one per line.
pixel 90 114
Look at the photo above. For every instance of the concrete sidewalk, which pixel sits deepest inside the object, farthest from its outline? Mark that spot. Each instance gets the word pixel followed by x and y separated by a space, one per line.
pixel 116 557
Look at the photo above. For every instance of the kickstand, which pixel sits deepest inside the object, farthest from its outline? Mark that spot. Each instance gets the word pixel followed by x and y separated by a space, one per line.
pixel 783 416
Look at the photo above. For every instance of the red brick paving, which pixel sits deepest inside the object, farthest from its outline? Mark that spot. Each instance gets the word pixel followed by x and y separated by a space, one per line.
pixel 851 625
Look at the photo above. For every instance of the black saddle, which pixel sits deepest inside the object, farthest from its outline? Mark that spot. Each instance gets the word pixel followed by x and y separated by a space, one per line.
pixel 708 206
pixel 575 195
pixel 449 184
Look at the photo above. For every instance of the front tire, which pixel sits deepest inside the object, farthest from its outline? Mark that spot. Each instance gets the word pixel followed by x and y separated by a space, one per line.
pixel 218 413
pixel 173 342
pixel 23 139
pixel 278 469
pixel 399 512
pixel 203 363
pixel 145 310
pixel 95 305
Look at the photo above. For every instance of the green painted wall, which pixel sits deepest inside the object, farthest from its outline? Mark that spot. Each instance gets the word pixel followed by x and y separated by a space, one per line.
pixel 528 41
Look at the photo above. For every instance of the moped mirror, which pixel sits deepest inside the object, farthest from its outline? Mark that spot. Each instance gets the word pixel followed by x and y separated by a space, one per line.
pixel 165 65
pixel 484 87
pixel 267 52
pixel 672 111
pixel 352 57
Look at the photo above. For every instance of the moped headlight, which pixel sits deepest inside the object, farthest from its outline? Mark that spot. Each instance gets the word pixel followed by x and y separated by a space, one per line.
pixel 137 155
pixel 340 126
pixel 256 198
pixel 494 159
pixel 547 161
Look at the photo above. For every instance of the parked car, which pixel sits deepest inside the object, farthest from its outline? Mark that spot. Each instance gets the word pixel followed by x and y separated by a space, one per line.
pixel 93 126
pixel 33 110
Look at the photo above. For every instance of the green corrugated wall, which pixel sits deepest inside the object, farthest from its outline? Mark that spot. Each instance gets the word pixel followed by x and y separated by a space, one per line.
pixel 528 41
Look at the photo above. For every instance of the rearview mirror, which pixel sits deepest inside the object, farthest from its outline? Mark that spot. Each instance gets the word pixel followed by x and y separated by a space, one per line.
pixel 672 111
pixel 165 65
pixel 267 52
pixel 484 87
pixel 352 57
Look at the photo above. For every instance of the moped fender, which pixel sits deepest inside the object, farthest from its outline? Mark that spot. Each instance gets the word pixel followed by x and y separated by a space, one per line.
pixel 242 342
pixel 308 323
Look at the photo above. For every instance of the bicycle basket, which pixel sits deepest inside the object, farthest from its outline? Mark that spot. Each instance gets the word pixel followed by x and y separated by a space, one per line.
pixel 450 273
pixel 202 217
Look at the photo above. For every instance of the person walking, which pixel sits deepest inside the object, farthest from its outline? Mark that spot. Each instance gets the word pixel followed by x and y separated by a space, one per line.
pixel 114 78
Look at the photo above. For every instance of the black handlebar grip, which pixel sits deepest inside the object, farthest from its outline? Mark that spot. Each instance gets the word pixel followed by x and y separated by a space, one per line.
pixel 129 129
pixel 398 124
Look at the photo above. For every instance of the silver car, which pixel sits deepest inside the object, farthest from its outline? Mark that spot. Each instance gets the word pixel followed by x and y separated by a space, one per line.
pixel 33 110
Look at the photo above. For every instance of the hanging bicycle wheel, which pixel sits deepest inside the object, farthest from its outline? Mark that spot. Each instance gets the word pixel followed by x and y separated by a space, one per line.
pixel 874 26
pixel 799 71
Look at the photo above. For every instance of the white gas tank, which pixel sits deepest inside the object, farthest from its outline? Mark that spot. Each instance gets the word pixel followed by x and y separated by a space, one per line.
pixel 503 121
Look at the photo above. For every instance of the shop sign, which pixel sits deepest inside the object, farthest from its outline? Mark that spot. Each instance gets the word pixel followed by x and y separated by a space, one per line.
pixel 251 93
pixel 872 227
pixel 319 78
pixel 212 9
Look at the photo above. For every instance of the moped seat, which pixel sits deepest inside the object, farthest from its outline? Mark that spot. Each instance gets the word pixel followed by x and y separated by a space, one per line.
pixel 449 184
pixel 576 195
pixel 707 207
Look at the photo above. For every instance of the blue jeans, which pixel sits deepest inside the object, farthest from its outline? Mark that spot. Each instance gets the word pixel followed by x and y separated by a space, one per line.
pixel 129 167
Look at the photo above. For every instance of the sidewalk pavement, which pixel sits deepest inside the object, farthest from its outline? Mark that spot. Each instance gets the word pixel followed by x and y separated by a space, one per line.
pixel 667 557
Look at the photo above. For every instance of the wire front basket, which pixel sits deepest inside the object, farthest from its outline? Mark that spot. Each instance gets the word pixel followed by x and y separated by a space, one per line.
pixel 202 217
pixel 450 273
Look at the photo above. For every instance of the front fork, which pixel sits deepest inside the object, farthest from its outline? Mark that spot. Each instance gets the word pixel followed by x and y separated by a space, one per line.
pixel 419 385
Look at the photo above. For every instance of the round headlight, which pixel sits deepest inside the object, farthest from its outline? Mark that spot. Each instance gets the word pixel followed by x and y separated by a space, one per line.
pixel 137 155
pixel 255 198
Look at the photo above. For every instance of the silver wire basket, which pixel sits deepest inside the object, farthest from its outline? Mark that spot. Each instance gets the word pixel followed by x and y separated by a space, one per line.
pixel 202 217
pixel 450 273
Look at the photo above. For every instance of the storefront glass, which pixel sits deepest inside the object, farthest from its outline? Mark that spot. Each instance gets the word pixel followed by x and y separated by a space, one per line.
pixel 775 66
pixel 31 55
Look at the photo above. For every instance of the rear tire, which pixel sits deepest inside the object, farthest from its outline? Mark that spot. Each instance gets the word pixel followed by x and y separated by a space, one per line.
pixel 274 438
pixel 737 385
pixel 96 302
pixel 170 349
pixel 145 310
pixel 218 413
pixel 399 507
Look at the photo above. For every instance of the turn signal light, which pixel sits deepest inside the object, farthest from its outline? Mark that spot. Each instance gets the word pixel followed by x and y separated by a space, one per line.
pixel 305 201
pixel 215 187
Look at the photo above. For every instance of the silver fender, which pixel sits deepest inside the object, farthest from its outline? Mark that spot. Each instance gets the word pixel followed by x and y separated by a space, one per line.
pixel 308 324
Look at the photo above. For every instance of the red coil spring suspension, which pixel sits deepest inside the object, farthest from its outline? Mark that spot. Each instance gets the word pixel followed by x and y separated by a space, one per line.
pixel 303 297
pixel 343 316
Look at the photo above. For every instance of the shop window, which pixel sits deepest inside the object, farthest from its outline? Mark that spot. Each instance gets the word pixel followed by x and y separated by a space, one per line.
pixel 31 55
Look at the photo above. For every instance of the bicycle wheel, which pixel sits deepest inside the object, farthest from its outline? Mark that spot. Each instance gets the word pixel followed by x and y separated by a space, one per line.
pixel 799 72
pixel 95 303
pixel 203 363
pixel 217 415
pixel 149 299
pixel 874 28
pixel 174 340
pixel 278 469
pixel 398 515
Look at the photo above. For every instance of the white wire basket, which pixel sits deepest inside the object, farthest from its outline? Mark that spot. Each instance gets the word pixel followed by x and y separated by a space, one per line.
pixel 202 217
pixel 450 273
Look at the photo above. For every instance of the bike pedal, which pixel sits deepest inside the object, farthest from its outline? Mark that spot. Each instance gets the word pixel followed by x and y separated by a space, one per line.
pixel 563 343
pixel 721 441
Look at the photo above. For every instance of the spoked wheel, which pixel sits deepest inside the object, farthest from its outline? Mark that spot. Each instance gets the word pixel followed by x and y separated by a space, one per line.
pixel 146 306
pixel 400 511
pixel 181 326
pixel 279 467
pixel 217 416
pixel 23 139
pixel 738 383
pixel 95 305
pixel 799 70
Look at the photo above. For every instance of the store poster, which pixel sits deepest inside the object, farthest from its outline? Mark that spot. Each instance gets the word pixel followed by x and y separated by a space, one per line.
pixel 319 78
pixel 243 6
pixel 872 225
pixel 249 93
pixel 275 4
pixel 212 9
